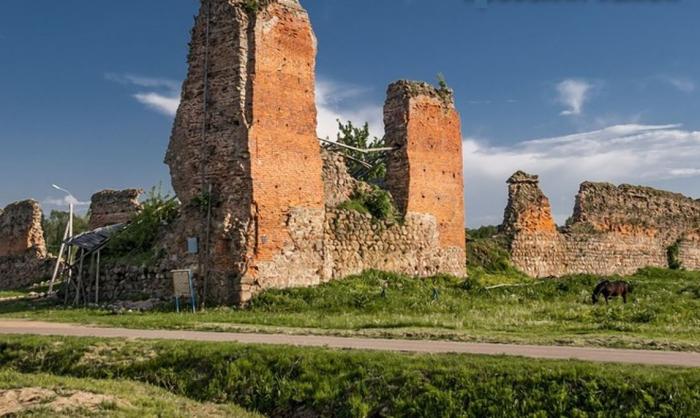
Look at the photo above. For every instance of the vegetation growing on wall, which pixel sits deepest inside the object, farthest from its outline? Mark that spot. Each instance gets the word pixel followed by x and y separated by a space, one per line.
pixel 136 243
pixel 374 201
pixel 674 255
pixel 360 138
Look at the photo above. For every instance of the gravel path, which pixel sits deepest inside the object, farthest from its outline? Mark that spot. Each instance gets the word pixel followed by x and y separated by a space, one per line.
pixel 666 358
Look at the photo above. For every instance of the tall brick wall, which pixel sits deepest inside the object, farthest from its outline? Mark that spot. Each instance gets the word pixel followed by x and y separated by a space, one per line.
pixel 23 255
pixel 614 230
pixel 425 174
pixel 259 153
pixel 111 207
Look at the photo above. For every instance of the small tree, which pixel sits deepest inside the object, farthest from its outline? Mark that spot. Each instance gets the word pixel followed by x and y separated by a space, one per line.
pixel 360 138
pixel 55 225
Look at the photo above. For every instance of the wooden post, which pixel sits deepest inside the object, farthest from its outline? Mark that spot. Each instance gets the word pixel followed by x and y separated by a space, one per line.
pixel 79 282
pixel 97 279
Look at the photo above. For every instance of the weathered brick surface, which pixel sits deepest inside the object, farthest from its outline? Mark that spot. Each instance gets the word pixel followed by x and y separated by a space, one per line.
pixel 615 230
pixel 425 174
pixel 111 207
pixel 23 256
pixel 259 153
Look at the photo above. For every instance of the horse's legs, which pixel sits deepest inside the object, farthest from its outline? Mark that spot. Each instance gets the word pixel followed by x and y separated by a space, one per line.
pixel 624 297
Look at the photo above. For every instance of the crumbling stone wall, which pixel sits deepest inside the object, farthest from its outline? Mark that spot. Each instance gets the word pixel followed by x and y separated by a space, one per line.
pixel 23 255
pixel 111 207
pixel 257 149
pixel 249 171
pixel 338 184
pixel 614 230
pixel 425 174
pixel 356 242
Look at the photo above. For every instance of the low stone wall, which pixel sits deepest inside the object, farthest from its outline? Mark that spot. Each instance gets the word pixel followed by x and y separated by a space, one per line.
pixel 557 254
pixel 356 242
pixel 614 230
pixel 22 271
pixel 132 283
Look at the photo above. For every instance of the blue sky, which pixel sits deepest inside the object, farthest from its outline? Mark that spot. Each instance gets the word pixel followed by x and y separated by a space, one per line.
pixel 583 90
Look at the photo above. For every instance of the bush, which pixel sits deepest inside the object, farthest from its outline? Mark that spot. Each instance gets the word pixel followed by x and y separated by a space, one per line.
pixel 673 253
pixel 375 201
pixel 135 244
pixel 360 138
pixel 287 381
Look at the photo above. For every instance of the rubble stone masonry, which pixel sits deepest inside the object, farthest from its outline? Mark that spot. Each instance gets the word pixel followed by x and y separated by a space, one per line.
pixel 111 207
pixel 614 230
pixel 23 255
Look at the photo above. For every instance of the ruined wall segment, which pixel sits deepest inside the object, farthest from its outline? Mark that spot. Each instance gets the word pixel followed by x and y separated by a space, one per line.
pixel 614 230
pixel 21 230
pixel 636 210
pixel 425 173
pixel 112 207
pixel 23 255
pixel 257 148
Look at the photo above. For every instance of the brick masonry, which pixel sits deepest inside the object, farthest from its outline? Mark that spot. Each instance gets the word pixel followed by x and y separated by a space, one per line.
pixel 614 230
pixel 425 174
pixel 111 207
pixel 23 256
pixel 274 192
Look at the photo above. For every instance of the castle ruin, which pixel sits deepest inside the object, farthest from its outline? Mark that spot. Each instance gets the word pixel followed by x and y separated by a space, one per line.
pixel 614 230
pixel 248 168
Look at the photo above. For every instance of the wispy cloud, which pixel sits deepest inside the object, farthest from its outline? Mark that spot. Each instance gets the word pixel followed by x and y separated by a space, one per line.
pixel 573 94
pixel 163 95
pixel 632 153
pixel 682 84
pixel 63 201
pixel 165 104
pixel 346 102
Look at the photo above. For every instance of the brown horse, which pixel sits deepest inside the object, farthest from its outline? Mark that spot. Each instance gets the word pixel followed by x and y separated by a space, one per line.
pixel 612 289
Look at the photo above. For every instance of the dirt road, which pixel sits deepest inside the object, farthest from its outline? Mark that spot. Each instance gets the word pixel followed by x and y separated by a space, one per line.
pixel 18 327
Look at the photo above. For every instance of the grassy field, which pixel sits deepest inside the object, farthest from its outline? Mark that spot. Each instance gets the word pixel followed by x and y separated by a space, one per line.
pixel 53 396
pixel 664 312
pixel 286 381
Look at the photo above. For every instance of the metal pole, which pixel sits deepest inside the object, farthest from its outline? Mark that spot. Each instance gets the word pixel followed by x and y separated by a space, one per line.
pixel 60 257
pixel 79 283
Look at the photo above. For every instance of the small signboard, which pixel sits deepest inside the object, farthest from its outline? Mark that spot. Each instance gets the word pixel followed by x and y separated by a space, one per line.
pixel 183 287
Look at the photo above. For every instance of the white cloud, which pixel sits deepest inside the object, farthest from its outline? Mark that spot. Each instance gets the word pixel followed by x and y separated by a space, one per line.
pixel 683 84
pixel 573 94
pixel 163 95
pixel 633 153
pixel 340 101
pixel 64 201
pixel 163 103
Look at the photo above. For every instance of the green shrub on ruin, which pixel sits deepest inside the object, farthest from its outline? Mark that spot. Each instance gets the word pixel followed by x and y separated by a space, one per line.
pixel 136 243
pixel 673 254
pixel 374 201
pixel 351 135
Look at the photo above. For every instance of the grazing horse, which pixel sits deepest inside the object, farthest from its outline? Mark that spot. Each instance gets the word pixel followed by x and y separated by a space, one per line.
pixel 611 289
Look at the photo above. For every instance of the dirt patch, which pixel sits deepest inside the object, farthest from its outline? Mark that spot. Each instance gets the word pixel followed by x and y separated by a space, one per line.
pixel 23 400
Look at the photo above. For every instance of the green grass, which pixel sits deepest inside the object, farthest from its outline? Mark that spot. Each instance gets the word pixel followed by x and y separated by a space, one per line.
pixel 131 399
pixel 664 312
pixel 4 294
pixel 286 381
